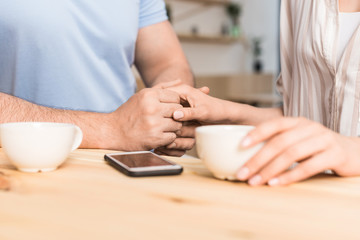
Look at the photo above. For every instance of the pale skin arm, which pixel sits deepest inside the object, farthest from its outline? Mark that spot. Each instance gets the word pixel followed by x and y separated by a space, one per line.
pixel 210 110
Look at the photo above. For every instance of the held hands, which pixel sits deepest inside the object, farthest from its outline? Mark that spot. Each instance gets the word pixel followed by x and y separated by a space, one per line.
pixel 198 105
pixel 145 121
pixel 185 136
pixel 290 140
pixel 199 108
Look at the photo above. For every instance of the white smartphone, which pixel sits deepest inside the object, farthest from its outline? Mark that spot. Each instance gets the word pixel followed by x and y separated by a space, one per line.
pixel 141 164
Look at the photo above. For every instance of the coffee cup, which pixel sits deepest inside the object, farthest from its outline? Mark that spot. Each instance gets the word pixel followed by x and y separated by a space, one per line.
pixel 39 146
pixel 219 148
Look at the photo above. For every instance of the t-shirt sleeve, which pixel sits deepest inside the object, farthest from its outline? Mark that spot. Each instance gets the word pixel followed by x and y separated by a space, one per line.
pixel 151 12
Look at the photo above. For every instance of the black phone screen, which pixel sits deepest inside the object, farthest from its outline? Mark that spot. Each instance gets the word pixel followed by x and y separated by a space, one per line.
pixel 140 160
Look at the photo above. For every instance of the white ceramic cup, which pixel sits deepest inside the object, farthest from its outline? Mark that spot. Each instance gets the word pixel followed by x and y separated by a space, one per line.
pixel 39 146
pixel 219 147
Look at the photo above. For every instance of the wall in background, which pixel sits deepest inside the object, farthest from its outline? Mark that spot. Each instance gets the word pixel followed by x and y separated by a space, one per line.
pixel 259 19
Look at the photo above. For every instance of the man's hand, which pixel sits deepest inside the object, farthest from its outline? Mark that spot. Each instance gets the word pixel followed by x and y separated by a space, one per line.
pixel 298 140
pixel 145 121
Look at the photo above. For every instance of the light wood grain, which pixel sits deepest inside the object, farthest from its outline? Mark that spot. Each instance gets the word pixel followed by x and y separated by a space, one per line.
pixel 87 199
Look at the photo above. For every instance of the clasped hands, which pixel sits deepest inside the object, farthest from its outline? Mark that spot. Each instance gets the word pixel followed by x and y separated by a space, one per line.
pixel 145 122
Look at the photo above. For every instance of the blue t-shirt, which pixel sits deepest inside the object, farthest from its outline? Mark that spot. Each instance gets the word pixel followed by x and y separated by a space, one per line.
pixel 74 54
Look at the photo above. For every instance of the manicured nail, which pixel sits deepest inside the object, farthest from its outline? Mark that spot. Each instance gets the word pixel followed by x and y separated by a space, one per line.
pixel 243 173
pixel 255 180
pixel 246 142
pixel 274 182
pixel 178 115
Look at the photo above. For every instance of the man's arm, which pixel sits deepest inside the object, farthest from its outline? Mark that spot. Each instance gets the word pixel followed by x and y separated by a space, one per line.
pixel 159 57
pixel 142 123
pixel 13 109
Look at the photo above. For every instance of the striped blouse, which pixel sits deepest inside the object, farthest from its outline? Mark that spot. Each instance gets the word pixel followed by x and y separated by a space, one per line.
pixel 311 82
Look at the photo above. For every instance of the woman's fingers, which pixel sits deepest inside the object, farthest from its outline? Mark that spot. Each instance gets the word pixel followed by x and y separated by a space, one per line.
pixel 205 90
pixel 187 131
pixel 276 145
pixel 164 139
pixel 268 129
pixel 167 96
pixel 284 144
pixel 296 153
pixel 168 109
pixel 188 114
pixel 304 170
pixel 182 144
pixel 169 125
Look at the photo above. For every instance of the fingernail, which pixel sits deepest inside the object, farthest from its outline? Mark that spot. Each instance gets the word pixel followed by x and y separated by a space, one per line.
pixel 243 173
pixel 172 145
pixel 274 182
pixel 178 114
pixel 255 180
pixel 246 142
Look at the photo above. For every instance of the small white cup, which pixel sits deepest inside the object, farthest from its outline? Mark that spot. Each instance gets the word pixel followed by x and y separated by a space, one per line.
pixel 219 147
pixel 39 146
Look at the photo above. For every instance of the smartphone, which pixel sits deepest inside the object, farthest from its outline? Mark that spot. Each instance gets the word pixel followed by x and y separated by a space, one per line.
pixel 141 164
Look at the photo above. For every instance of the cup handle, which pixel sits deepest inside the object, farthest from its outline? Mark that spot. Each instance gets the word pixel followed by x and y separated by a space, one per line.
pixel 78 138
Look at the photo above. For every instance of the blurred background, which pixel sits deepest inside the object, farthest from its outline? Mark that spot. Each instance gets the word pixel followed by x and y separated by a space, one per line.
pixel 232 46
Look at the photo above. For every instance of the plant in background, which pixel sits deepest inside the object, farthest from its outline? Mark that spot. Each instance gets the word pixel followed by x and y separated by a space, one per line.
pixel 257 52
pixel 234 11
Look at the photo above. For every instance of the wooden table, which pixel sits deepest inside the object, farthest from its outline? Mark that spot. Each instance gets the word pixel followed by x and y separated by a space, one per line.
pixel 87 199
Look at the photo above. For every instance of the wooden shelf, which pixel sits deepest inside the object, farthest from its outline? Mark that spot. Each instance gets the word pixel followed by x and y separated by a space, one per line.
pixel 249 88
pixel 210 39
pixel 208 2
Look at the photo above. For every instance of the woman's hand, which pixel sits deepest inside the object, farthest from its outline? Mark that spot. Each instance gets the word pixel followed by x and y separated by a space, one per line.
pixel 291 140
pixel 199 106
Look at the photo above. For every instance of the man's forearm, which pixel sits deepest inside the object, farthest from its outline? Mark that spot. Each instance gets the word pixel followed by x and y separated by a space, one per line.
pixel 176 71
pixel 159 56
pixel 93 125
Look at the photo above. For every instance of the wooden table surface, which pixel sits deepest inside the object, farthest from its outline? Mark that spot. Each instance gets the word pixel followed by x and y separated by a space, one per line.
pixel 87 199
